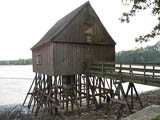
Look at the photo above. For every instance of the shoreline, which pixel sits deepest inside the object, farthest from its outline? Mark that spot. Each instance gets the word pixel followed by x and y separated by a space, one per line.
pixel 114 112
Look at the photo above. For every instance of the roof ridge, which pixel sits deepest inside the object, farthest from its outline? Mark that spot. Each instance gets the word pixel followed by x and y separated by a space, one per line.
pixel 81 8
pixel 106 32
pixel 60 25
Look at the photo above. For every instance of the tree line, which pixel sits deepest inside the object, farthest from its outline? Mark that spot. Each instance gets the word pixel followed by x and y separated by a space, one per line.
pixel 16 62
pixel 147 54
pixel 140 55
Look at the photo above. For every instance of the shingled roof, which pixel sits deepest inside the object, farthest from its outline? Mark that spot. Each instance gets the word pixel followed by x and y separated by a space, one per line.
pixel 61 25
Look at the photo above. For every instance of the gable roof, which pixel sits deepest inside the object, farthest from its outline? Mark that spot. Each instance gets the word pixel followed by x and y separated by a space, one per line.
pixel 62 24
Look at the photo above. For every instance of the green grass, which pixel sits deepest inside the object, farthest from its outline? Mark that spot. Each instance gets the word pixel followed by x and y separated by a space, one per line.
pixel 156 118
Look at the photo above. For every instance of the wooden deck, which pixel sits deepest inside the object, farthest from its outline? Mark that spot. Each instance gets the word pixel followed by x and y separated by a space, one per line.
pixel 142 73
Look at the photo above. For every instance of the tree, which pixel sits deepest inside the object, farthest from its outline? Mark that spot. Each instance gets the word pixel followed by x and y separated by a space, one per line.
pixel 139 5
pixel 16 62
pixel 147 54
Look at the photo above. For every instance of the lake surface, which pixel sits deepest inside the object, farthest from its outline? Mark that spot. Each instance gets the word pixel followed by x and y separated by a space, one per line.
pixel 13 85
pixel 15 81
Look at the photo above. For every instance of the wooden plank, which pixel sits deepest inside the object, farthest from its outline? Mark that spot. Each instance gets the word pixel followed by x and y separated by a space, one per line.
pixel 125 63
pixel 106 68
pixel 100 100
pixel 87 92
pixel 80 88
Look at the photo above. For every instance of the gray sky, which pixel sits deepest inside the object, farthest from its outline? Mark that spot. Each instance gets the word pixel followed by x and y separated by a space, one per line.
pixel 24 22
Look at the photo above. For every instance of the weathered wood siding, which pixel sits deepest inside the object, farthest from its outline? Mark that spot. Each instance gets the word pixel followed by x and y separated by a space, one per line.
pixel 68 59
pixel 69 55
pixel 69 50
pixel 46 52
pixel 74 32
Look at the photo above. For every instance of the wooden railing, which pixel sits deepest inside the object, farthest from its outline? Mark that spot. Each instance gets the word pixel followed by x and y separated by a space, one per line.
pixel 142 73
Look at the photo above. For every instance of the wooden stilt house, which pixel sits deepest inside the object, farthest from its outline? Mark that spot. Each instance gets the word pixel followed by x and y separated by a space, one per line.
pixel 62 53
pixel 77 37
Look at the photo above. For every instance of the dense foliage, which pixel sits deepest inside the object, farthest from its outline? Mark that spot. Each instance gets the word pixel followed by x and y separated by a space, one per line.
pixel 139 5
pixel 16 62
pixel 148 54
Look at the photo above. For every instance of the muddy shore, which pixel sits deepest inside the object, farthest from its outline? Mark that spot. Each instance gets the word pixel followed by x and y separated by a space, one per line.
pixel 115 111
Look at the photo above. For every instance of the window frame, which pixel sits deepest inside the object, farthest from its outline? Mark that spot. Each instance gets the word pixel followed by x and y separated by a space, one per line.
pixel 38 59
pixel 88 35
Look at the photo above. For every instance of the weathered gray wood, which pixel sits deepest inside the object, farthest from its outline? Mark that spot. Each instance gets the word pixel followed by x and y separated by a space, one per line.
pixel 87 92
pixel 100 100
pixel 128 74
pixel 66 53
pixel 46 53
pixel 30 89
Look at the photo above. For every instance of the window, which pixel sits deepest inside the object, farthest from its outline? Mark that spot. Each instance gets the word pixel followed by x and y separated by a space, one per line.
pixel 88 32
pixel 38 59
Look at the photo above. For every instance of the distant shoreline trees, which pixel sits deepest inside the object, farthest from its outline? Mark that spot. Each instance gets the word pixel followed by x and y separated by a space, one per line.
pixel 16 62
pixel 150 54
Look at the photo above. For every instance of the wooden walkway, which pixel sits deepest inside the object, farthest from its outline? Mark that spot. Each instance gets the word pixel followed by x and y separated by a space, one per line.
pixel 101 81
pixel 142 73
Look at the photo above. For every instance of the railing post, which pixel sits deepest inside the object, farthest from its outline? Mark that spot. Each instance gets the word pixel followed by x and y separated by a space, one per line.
pixel 120 67
pixel 130 71
pixel 120 71
pixel 144 73
pixel 153 70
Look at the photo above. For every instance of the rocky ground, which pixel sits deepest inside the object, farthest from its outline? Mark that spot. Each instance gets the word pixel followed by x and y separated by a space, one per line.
pixel 115 111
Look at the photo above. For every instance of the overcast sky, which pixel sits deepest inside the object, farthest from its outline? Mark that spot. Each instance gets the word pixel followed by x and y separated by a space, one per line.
pixel 24 22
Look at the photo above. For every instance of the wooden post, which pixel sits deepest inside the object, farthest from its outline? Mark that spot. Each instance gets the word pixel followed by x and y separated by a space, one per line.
pixel 34 91
pixel 63 94
pixel 137 96
pixel 120 72
pixel 124 96
pixel 30 90
pixel 60 86
pixel 71 92
pixel 87 91
pixel 111 83
pixel 93 90
pixel 144 73
pixel 100 101
pixel 44 82
pixel 153 70
pixel 67 102
pixel 104 86
pixel 131 95
pixel 72 104
pixel 85 85
pixel 76 84
pixel 79 79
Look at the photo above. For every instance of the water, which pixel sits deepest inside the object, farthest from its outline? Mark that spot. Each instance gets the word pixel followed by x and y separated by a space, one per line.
pixel 15 81
pixel 13 85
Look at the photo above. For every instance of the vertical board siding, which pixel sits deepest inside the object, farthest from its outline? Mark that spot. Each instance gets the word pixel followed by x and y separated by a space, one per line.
pixel 66 55
pixel 69 58
pixel 46 65
pixel 74 32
